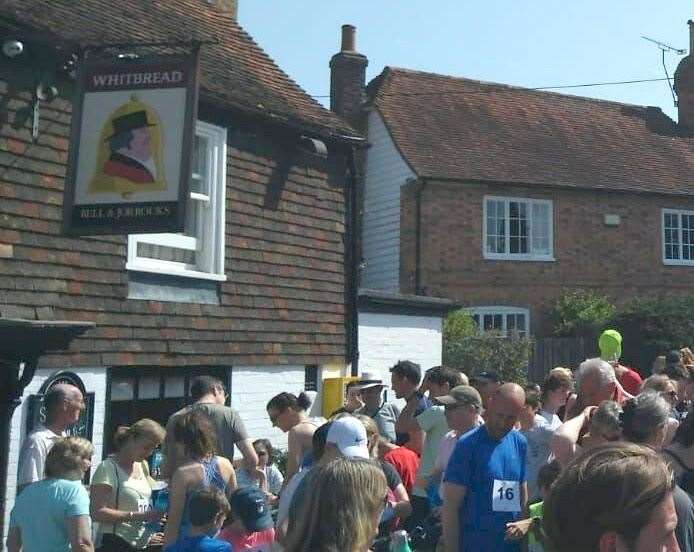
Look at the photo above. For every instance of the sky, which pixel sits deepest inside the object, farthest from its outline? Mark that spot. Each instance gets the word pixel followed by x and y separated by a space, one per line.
pixel 532 43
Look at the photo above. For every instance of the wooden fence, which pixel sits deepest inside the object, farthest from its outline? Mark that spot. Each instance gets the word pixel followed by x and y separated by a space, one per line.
pixel 549 352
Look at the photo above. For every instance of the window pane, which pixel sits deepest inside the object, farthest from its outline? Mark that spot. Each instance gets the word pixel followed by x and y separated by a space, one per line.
pixel 540 229
pixel 688 237
pixel 174 387
pixel 671 234
pixel 199 181
pixel 165 253
pixel 515 325
pixel 123 389
pixel 496 227
pixel 148 388
pixel 518 227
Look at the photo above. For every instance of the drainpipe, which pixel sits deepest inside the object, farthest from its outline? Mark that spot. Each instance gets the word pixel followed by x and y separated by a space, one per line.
pixel 418 238
pixel 352 268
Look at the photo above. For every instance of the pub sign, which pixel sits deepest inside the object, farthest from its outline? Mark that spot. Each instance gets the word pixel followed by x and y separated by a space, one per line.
pixel 130 145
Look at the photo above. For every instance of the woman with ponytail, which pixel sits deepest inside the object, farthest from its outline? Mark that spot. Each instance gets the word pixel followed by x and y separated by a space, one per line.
pixel 288 412
pixel 121 489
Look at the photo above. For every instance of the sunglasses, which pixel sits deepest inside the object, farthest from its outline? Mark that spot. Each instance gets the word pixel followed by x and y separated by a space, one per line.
pixel 261 452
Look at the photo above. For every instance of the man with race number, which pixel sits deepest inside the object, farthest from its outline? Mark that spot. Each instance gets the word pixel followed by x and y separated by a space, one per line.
pixel 485 486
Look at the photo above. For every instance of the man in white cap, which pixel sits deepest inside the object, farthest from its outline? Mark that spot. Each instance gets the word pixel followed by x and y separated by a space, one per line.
pixel 370 392
pixel 346 437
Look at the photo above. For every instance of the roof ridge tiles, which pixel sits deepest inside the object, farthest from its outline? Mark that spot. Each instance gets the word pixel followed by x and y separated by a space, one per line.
pixel 394 70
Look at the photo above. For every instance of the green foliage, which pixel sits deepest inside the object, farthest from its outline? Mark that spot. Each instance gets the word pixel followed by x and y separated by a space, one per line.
pixel 469 352
pixel 458 325
pixel 652 325
pixel 581 314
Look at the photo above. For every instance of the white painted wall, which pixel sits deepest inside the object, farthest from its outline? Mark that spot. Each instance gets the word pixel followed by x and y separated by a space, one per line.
pixel 253 386
pixel 384 339
pixel 386 171
pixel 95 382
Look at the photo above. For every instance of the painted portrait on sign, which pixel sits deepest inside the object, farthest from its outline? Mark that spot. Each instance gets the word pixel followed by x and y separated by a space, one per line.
pixel 129 152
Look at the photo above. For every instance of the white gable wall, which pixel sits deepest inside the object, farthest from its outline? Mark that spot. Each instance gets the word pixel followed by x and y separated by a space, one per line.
pixel 386 171
pixel 253 386
pixel 384 339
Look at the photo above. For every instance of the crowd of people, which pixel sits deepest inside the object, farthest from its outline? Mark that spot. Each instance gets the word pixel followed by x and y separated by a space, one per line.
pixel 593 460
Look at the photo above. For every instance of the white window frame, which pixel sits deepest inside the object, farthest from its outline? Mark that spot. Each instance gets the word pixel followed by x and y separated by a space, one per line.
pixel 504 311
pixel 679 213
pixel 211 263
pixel 518 256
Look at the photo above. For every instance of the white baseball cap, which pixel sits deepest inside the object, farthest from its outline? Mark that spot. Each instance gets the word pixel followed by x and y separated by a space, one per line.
pixel 348 434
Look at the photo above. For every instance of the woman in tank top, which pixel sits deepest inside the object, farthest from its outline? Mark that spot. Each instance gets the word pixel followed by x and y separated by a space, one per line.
pixel 288 412
pixel 202 469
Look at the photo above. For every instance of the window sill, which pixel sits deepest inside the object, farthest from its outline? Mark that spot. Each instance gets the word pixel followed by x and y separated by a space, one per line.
pixel 677 262
pixel 497 257
pixel 174 272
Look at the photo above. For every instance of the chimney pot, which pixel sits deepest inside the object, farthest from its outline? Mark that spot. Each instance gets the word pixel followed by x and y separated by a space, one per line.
pixel 348 38
pixel 691 37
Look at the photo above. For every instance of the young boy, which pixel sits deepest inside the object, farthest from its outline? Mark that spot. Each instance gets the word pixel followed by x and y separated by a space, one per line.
pixel 208 510
pixel 250 526
pixel 532 527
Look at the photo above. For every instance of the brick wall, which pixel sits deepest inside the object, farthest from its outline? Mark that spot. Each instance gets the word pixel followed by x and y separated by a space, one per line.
pixel 619 261
pixel 283 302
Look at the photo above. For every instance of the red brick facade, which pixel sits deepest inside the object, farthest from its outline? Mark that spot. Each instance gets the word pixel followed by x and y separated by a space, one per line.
pixel 619 261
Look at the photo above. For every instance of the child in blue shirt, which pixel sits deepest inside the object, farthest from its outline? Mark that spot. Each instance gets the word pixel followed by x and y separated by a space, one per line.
pixel 208 510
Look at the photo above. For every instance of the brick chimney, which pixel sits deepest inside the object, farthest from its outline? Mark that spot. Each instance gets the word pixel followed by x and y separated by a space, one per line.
pixel 684 85
pixel 227 6
pixel 348 79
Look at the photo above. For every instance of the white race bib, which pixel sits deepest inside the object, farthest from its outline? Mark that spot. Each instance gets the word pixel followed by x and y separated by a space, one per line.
pixel 143 505
pixel 506 496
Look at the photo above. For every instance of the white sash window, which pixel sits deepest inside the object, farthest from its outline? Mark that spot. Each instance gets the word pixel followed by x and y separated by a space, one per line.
pixel 198 252
pixel 518 229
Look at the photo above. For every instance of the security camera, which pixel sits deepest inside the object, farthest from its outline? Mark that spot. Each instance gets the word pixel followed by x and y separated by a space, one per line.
pixel 313 145
pixel 46 93
pixel 12 48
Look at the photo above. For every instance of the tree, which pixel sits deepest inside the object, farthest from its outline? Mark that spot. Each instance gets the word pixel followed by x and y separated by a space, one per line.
pixel 581 313
pixel 465 349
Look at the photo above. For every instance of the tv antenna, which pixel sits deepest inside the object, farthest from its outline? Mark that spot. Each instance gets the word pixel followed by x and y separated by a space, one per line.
pixel 667 48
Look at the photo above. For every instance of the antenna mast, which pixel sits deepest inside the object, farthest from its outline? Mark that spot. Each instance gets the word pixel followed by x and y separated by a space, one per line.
pixel 667 48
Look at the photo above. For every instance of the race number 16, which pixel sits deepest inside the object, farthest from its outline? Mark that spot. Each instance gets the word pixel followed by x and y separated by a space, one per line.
pixel 506 496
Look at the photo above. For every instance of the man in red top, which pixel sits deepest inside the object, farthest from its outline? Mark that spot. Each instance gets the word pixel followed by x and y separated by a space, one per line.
pixel 404 460
pixel 610 344
pixel 595 382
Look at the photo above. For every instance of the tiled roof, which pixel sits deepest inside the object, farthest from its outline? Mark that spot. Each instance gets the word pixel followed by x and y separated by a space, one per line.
pixel 461 129
pixel 236 71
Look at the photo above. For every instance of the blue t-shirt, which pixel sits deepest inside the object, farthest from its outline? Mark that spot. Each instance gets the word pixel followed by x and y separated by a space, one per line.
pixel 200 543
pixel 40 511
pixel 492 473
